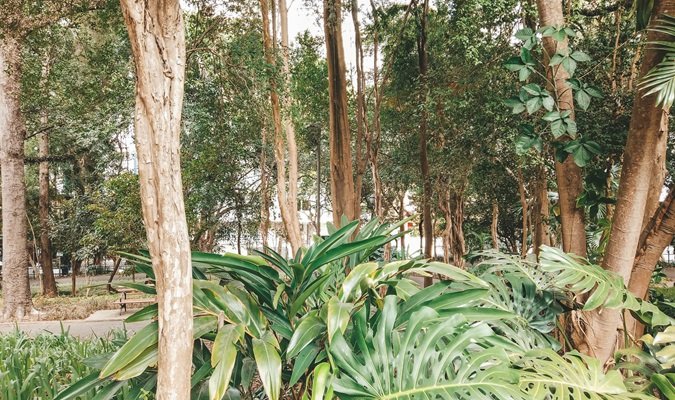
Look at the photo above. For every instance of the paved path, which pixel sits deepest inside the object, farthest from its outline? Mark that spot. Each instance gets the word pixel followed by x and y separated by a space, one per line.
pixel 98 324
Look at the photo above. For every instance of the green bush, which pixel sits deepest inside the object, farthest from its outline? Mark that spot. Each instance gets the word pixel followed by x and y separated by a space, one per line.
pixel 332 322
pixel 39 367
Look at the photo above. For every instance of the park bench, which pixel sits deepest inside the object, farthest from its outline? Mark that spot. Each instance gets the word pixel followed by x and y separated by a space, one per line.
pixel 131 296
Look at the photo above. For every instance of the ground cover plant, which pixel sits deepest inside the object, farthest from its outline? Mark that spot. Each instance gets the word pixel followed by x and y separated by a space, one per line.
pixel 333 322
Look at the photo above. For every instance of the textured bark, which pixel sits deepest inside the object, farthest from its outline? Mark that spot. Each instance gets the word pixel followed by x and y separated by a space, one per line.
pixel 458 248
pixel 568 174
pixel 291 197
pixel 647 127
pixel 522 193
pixel 16 291
pixel 284 133
pixel 494 225
pixel 157 37
pixel 48 282
pixel 423 63
pixel 361 125
pixel 341 168
pixel 375 133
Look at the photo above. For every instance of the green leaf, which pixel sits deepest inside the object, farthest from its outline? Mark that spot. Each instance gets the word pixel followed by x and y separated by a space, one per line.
pixel 277 294
pixel 532 89
pixel 525 142
pixel 307 331
pixel 583 99
pixel 548 102
pixel 338 316
pixel 558 128
pixel 556 59
pixel 141 341
pixel 533 105
pixel 144 314
pixel 551 116
pixel 580 56
pixel 269 365
pixel 524 34
pixel 80 388
pixel 305 358
pixel 355 278
pixel 227 337
pixel 524 73
pixel 223 357
pixel 321 377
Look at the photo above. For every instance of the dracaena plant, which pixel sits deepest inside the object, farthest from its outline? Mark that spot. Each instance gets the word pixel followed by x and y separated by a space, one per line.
pixel 332 322
pixel 545 121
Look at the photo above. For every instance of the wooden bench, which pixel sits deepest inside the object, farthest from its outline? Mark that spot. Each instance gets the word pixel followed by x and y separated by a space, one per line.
pixel 126 299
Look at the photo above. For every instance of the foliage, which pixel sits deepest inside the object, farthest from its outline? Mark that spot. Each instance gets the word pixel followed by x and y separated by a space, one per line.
pixel 335 323
pixel 41 366
pixel 661 79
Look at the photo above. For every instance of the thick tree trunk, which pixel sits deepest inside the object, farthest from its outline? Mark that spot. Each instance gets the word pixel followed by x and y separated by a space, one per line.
pixel 157 37
pixel 494 225
pixel 649 123
pixel 423 62
pixel 15 285
pixel 286 193
pixel 568 174
pixel 341 170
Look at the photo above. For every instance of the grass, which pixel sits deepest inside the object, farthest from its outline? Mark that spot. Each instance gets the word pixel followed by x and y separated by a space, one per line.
pixel 39 367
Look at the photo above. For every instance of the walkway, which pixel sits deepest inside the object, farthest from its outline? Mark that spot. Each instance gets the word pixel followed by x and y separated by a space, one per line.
pixel 98 324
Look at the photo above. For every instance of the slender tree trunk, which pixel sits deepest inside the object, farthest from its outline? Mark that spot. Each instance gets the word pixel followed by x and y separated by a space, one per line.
pixel 341 170
pixel 401 216
pixel 287 196
pixel 15 285
pixel 494 225
pixel 523 204
pixel 458 242
pixel 289 129
pixel 373 138
pixel 76 264
pixel 116 267
pixel 568 174
pixel 361 125
pixel 423 62
pixel 649 123
pixel 318 184
pixel 48 281
pixel 157 37
pixel 444 206
pixel 541 235
pixel 264 192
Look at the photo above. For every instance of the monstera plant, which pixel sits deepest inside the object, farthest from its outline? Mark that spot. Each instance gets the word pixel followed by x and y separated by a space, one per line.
pixel 334 321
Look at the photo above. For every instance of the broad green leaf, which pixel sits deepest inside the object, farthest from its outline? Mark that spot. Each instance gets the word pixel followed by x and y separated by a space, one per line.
pixel 338 316
pixel 302 362
pixel 141 341
pixel 321 377
pixel 307 331
pixel 269 365
pixel 583 99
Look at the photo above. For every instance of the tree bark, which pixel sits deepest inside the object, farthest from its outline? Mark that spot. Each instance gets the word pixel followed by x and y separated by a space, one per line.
pixel 15 285
pixel 458 242
pixel 523 204
pixel 48 281
pixel 286 192
pixel 494 225
pixel 649 123
pixel 157 37
pixel 423 62
pixel 291 200
pixel 374 135
pixel 361 125
pixel 264 188
pixel 341 168
pixel 116 267
pixel 568 174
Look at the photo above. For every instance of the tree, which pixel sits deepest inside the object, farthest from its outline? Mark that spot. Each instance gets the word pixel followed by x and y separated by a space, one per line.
pixel 341 170
pixel 568 173
pixel 284 131
pixel 648 126
pixel 157 37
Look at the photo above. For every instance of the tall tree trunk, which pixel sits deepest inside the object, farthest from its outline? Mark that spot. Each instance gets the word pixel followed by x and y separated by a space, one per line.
pixel 458 242
pixel 15 285
pixel 157 37
pixel 318 184
pixel 361 125
pixel 76 264
pixel 568 174
pixel 649 123
pixel 373 138
pixel 116 267
pixel 341 169
pixel 494 225
pixel 48 281
pixel 523 204
pixel 289 129
pixel 286 193
pixel 423 62
pixel 447 235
